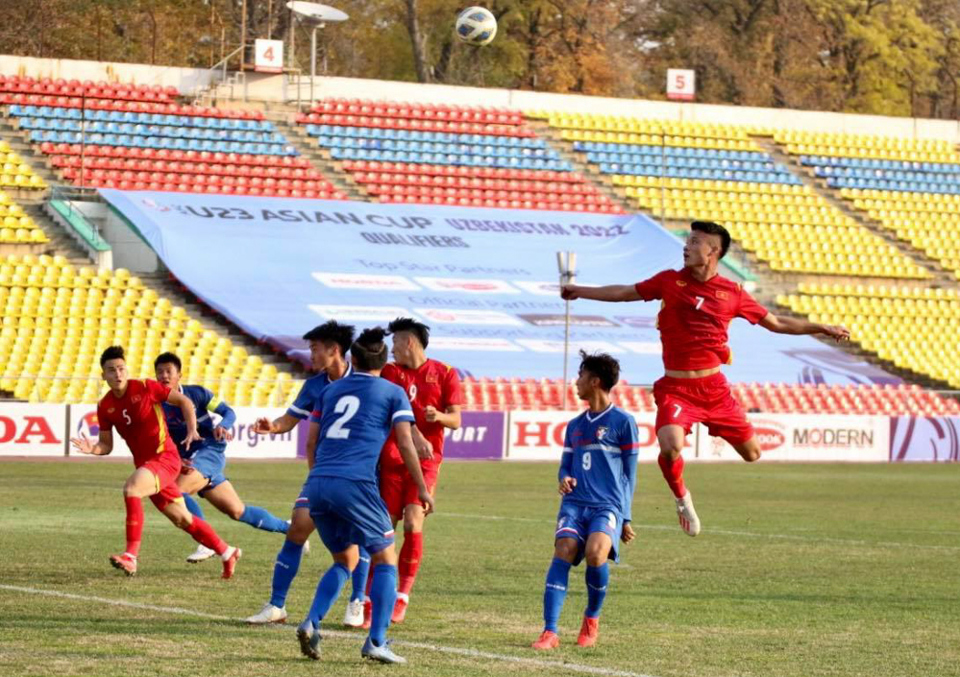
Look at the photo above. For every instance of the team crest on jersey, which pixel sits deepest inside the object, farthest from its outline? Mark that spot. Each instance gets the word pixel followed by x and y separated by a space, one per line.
pixel 681 283
pixel 432 378
pixel 723 295
pixel 111 410
pixel 602 432
pixel 135 399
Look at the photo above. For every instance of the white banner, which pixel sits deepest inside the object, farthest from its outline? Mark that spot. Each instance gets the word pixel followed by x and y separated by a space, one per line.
pixel 32 429
pixel 806 437
pixel 538 435
pixel 245 443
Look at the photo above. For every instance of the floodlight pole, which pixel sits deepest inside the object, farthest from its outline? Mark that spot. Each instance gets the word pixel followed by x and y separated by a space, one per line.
pixel 566 264
pixel 313 58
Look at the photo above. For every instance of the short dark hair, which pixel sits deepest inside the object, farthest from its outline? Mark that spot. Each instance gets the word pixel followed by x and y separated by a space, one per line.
pixel 605 367
pixel 167 358
pixel 712 228
pixel 418 329
pixel 332 332
pixel 112 353
pixel 369 351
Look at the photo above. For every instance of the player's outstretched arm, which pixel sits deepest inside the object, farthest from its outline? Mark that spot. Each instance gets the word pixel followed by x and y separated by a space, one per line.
pixel 189 416
pixel 102 447
pixel 612 293
pixel 412 462
pixel 278 426
pixel 791 325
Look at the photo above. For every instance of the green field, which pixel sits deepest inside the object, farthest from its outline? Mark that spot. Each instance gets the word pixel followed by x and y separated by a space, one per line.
pixel 800 570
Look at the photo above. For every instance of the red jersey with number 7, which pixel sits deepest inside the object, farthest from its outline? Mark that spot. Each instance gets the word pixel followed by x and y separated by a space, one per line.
pixel 434 384
pixel 694 317
pixel 138 418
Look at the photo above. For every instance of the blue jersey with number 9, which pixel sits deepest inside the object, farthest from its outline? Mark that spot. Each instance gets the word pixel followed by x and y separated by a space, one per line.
pixel 358 413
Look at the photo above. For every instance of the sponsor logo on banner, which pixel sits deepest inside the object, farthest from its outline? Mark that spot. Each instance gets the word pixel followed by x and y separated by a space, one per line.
pixel 83 421
pixel 642 347
pixel 459 343
pixel 467 285
pixel 480 436
pixel 365 281
pixel 545 346
pixel 925 438
pixel 445 316
pixel 539 288
pixel 539 435
pixel 360 313
pixel 805 437
pixel 247 443
pixel 559 320
pixel 32 429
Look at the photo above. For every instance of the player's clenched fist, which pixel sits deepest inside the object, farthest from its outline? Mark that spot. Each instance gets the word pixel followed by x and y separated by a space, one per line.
pixel 567 484
pixel 569 292
pixel 427 501
pixel 627 534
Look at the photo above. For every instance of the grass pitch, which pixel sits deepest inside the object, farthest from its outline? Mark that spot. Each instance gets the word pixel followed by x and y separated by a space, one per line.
pixel 800 570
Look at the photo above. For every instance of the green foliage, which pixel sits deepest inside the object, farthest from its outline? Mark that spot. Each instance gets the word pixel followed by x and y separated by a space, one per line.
pixel 891 57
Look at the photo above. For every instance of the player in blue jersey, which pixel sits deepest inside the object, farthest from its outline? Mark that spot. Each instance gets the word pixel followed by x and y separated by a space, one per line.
pixel 204 461
pixel 329 343
pixel 359 412
pixel 598 473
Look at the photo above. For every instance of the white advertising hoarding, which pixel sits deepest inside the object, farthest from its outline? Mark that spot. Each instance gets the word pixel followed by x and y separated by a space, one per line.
pixel 32 429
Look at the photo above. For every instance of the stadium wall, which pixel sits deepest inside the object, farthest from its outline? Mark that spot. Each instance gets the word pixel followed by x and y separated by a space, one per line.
pixel 283 88
pixel 44 430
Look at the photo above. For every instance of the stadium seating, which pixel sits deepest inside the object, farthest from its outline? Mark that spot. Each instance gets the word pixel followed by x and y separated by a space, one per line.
pixel 684 171
pixel 503 394
pixel 909 186
pixel 15 173
pixel 57 320
pixel 437 154
pixel 139 138
pixel 16 227
pixel 912 327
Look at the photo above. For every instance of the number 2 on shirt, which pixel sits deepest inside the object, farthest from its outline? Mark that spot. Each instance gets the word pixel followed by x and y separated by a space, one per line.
pixel 348 405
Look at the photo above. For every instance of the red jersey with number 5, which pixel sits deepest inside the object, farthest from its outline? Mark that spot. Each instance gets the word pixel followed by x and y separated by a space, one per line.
pixel 694 317
pixel 434 384
pixel 138 418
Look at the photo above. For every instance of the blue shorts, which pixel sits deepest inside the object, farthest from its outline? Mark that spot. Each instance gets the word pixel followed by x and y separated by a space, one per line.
pixel 303 498
pixel 349 512
pixel 579 521
pixel 208 462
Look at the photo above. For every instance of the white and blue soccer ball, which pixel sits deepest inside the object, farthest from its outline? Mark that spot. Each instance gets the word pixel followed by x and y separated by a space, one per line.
pixel 476 26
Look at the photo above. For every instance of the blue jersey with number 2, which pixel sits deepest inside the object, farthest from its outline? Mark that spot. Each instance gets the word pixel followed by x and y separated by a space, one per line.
pixel 358 413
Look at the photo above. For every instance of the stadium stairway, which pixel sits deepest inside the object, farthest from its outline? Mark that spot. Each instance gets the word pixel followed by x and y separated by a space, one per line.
pixel 318 157
pixel 940 275
pixel 564 148
pixel 18 143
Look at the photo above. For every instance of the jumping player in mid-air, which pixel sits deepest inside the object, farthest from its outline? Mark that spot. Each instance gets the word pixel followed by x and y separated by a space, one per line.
pixel 359 412
pixel 204 462
pixel 598 475
pixel 133 407
pixel 697 306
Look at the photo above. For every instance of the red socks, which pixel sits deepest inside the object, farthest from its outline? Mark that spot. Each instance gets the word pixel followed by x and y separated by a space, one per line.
pixel 410 555
pixel 204 534
pixel 134 524
pixel 673 474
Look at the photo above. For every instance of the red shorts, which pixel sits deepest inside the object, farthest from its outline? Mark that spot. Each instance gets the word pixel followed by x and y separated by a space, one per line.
pixel 165 469
pixel 398 490
pixel 707 400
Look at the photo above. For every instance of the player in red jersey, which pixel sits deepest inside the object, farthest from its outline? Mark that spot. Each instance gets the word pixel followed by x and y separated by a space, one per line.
pixel 697 306
pixel 434 391
pixel 133 408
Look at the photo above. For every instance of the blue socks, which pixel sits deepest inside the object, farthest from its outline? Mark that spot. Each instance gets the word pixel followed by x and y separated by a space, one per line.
pixel 328 589
pixel 383 595
pixel 597 579
pixel 262 519
pixel 360 577
pixel 284 571
pixel 193 506
pixel 555 592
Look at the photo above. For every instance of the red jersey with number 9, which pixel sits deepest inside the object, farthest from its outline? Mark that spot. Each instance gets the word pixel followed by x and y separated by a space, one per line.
pixel 138 418
pixel 433 384
pixel 694 317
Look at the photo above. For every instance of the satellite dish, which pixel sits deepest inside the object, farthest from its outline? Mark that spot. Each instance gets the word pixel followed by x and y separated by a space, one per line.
pixel 316 13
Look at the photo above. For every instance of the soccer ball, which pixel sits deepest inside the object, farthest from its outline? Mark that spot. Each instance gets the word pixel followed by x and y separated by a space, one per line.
pixel 477 26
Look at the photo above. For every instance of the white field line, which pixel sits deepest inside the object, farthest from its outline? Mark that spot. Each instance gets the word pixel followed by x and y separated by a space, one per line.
pixel 560 666
pixel 728 532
